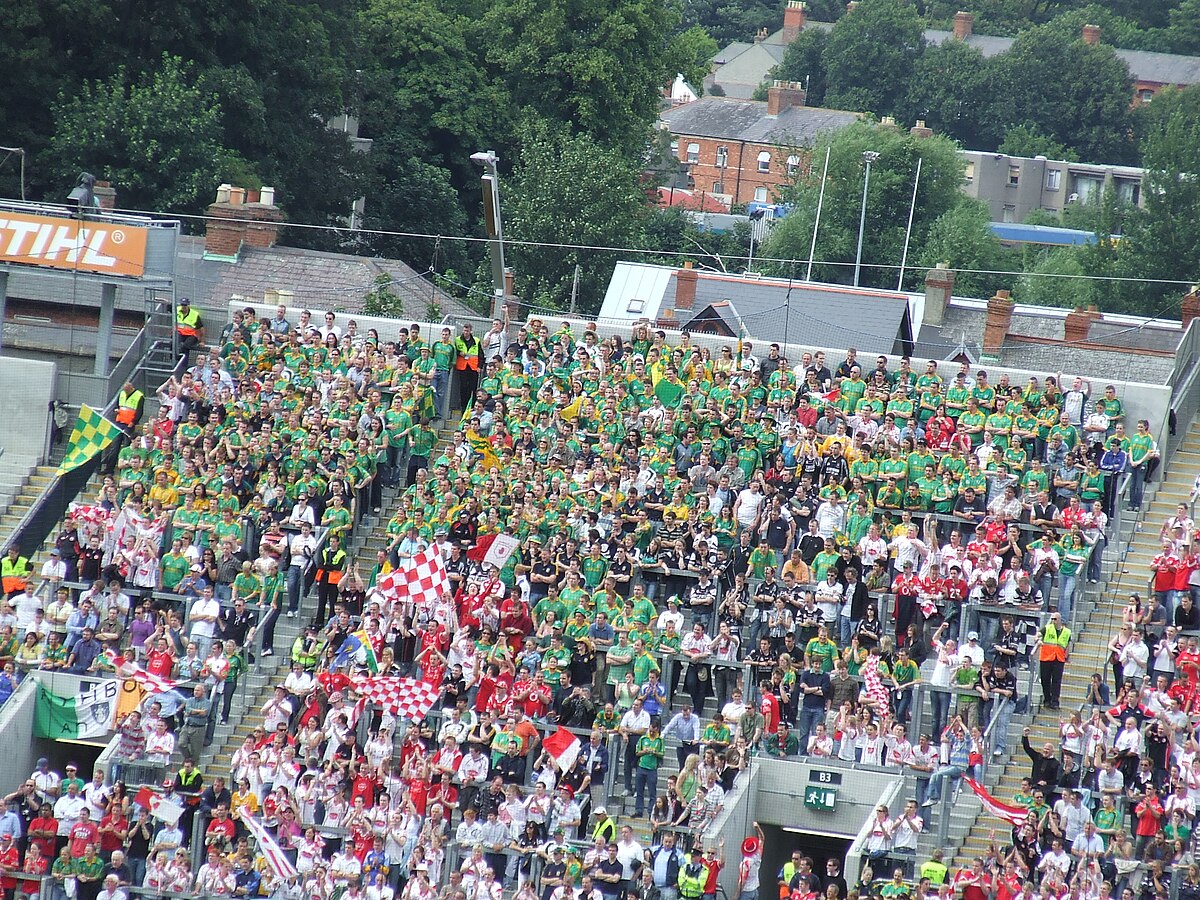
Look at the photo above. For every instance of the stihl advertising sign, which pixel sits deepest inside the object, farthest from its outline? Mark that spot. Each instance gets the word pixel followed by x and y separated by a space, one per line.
pixel 107 248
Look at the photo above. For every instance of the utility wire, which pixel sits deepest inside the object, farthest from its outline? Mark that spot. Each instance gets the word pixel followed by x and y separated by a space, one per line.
pixel 638 250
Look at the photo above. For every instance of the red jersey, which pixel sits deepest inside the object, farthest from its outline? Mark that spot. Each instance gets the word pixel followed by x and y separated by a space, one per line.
pixel 82 834
pixel 160 663
pixel 769 707
pixel 538 701
pixel 1165 566
pixel 363 786
pixel 906 585
pixel 1149 814
pixel 9 859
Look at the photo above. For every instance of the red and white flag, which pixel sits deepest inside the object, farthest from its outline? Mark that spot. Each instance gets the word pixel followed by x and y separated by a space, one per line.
pixel 405 697
pixel 494 549
pixel 1015 815
pixel 160 807
pixel 152 683
pixel 422 579
pixel 279 863
pixel 563 748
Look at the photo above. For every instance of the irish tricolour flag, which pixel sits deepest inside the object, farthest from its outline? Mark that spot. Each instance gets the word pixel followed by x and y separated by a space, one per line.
pixel 89 714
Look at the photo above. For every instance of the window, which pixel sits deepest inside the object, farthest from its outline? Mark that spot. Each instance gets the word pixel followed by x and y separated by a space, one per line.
pixel 970 174
pixel 718 187
pixel 793 166
pixel 764 161
pixel 675 148
pixel 722 156
pixel 1128 191
pixel 693 153
pixel 1014 176
pixel 1010 214
pixel 1145 95
pixel 760 195
pixel 1088 187
pixel 1053 179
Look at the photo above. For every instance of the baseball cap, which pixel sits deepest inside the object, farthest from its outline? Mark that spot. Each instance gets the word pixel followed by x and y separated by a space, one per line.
pixel 972 635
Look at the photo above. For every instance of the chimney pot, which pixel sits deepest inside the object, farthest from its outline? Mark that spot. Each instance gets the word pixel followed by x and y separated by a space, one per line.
pixel 1191 306
pixel 964 23
pixel 997 323
pixel 921 130
pixel 1078 323
pixel 939 286
pixel 793 20
pixel 686 280
pixel 783 95
pixel 1091 34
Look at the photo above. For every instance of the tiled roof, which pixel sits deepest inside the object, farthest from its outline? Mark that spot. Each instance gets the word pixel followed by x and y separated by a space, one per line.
pixel 747 120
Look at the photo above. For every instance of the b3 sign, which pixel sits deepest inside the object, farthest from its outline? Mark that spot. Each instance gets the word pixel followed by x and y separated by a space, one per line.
pixel 107 248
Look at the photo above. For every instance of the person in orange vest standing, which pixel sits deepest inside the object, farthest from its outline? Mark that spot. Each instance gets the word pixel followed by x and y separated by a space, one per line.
pixel 1053 655
pixel 129 406
pixel 468 352
pixel 189 327
pixel 15 571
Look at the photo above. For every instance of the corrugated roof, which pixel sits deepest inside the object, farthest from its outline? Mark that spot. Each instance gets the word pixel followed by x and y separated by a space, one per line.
pixel 747 120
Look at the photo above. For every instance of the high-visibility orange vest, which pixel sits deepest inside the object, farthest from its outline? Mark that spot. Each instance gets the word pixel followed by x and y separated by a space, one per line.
pixel 14 574
pixel 1054 644
pixel 127 405
pixel 187 324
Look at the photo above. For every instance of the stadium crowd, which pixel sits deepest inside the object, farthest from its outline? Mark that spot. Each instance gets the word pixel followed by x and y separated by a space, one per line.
pixel 718 554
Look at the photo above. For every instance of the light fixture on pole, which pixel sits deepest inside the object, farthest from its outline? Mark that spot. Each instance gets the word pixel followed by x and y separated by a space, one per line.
pixel 869 156
pixel 495 227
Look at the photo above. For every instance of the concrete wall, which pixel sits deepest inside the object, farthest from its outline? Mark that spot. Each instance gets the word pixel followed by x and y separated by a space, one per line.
pixel 773 795
pixel 26 389
pixel 21 749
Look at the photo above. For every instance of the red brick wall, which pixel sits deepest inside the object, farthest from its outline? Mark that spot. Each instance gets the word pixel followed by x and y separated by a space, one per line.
pixel 705 172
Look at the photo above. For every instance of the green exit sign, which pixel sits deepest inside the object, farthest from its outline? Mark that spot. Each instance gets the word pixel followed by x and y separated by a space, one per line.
pixel 817 797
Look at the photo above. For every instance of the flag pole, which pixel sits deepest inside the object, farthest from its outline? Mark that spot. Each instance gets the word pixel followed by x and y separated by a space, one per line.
pixel 812 250
pixel 908 232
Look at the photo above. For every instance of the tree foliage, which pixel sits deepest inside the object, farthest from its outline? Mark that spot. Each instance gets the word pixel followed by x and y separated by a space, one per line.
pixel 567 189
pixel 159 137
pixel 888 200
pixel 961 238
pixel 872 55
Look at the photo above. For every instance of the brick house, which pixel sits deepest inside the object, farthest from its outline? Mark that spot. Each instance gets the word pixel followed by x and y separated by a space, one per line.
pixel 741 150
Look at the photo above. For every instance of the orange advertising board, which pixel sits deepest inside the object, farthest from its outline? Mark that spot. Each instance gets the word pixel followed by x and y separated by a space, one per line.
pixel 107 248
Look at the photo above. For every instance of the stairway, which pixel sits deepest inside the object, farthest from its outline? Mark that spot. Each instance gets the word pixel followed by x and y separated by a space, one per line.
pixel 21 481
pixel 1126 570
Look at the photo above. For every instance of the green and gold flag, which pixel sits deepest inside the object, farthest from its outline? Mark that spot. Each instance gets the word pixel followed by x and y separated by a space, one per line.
pixel 92 434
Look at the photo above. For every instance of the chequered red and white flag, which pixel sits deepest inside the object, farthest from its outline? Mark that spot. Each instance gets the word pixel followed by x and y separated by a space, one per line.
pixel 404 697
pixel 148 681
pixel 421 579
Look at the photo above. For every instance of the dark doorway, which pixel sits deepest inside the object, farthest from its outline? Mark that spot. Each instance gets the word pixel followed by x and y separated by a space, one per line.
pixel 778 850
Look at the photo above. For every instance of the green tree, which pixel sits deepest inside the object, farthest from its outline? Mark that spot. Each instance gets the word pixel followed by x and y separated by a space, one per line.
pixel 952 91
pixel 1027 140
pixel 804 61
pixel 1088 109
pixel 728 22
pixel 888 200
pixel 871 56
pixel 961 237
pixel 159 137
pixel 1162 241
pixel 597 66
pixel 690 53
pixel 568 189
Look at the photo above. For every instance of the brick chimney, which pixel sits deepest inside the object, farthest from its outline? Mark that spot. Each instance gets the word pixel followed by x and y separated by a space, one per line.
pixel 1091 34
pixel 793 20
pixel 686 280
pixel 106 195
pixel 1077 324
pixel 783 95
pixel 964 22
pixel 921 130
pixel 997 323
pixel 1191 306
pixel 257 223
pixel 939 285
